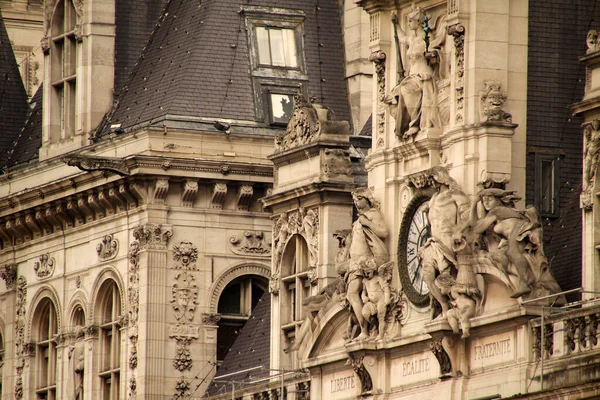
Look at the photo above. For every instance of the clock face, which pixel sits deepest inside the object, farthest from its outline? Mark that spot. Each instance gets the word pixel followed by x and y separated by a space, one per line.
pixel 414 232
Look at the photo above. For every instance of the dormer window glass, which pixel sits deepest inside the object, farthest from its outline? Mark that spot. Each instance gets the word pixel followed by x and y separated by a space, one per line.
pixel 276 47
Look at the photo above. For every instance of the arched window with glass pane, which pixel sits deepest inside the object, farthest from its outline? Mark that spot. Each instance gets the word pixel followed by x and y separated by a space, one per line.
pixel 63 70
pixel 45 332
pixel 295 285
pixel 110 340
pixel 236 303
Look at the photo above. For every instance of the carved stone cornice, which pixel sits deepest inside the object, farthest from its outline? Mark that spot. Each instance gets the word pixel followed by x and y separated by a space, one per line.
pixel 8 273
pixel 91 163
pixel 152 236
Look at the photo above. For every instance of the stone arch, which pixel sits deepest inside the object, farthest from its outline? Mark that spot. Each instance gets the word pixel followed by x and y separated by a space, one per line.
pixel 245 269
pixel 108 273
pixel 78 299
pixel 43 293
pixel 331 322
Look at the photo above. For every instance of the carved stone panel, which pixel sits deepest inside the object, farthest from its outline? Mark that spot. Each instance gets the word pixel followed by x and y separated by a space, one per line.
pixel 250 243
pixel 336 162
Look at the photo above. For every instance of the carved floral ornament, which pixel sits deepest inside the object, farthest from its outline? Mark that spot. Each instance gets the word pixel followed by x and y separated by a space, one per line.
pixel 152 236
pixel 303 127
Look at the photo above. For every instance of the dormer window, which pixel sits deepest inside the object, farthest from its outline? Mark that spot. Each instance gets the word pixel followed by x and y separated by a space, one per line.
pixel 276 47
pixel 63 53
pixel 277 61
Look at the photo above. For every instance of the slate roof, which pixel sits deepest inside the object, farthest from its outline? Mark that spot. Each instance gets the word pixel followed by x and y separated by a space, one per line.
pixel 251 349
pixel 29 140
pixel 200 46
pixel 13 97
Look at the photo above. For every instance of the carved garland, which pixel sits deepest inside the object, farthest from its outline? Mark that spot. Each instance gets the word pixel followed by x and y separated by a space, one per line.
pixel 21 350
pixel 184 301
pixel 378 58
pixel 133 297
pixel 458 32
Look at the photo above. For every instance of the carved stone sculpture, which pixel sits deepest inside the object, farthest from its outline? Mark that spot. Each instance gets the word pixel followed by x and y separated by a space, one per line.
pixel 592 41
pixel 413 102
pixel 303 127
pixel 448 208
pixel 107 248
pixel 90 163
pixel 591 156
pixel 185 254
pixel 367 251
pixel 366 383
pixel 377 295
pixel 492 100
pixel 8 273
pixel 513 252
pixel 77 362
pixel 336 162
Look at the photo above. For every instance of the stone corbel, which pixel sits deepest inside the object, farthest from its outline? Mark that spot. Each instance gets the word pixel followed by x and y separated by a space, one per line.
pixel 161 188
pixel 8 273
pixel 366 383
pixel 105 202
pixel 444 348
pixel 218 195
pixel 84 208
pixel 40 217
pixel 62 215
pixel 94 203
pixel 115 196
pixel 190 189
pixel 6 235
pixel 33 225
pixel 73 210
pixel 49 214
pixel 245 193
pixel 21 228
pixel 127 192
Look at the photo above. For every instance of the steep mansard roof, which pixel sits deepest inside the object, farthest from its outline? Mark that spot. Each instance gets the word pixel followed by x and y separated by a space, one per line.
pixel 197 63
pixel 27 143
pixel 251 349
pixel 13 97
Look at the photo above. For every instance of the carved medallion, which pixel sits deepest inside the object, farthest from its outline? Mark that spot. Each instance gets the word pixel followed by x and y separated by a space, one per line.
pixel 108 248
pixel 44 268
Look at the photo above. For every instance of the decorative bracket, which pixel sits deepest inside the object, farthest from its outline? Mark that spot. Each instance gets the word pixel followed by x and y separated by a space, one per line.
pixel 218 196
pixel 190 189
pixel 89 164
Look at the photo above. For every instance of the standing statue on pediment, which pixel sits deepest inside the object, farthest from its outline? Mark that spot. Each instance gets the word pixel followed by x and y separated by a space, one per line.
pixel 77 362
pixel 414 102
pixel 448 209
pixel 367 251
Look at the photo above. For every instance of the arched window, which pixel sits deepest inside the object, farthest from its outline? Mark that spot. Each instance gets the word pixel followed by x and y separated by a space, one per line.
pixel 236 304
pixel 63 53
pixel 110 340
pixel 296 286
pixel 45 353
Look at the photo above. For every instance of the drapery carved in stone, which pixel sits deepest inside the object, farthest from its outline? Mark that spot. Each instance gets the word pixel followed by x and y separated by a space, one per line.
pixel 152 236
pixel 250 243
pixel 108 248
pixel 303 127
pixel 8 273
pixel 492 99
pixel 378 58
pixel 44 268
